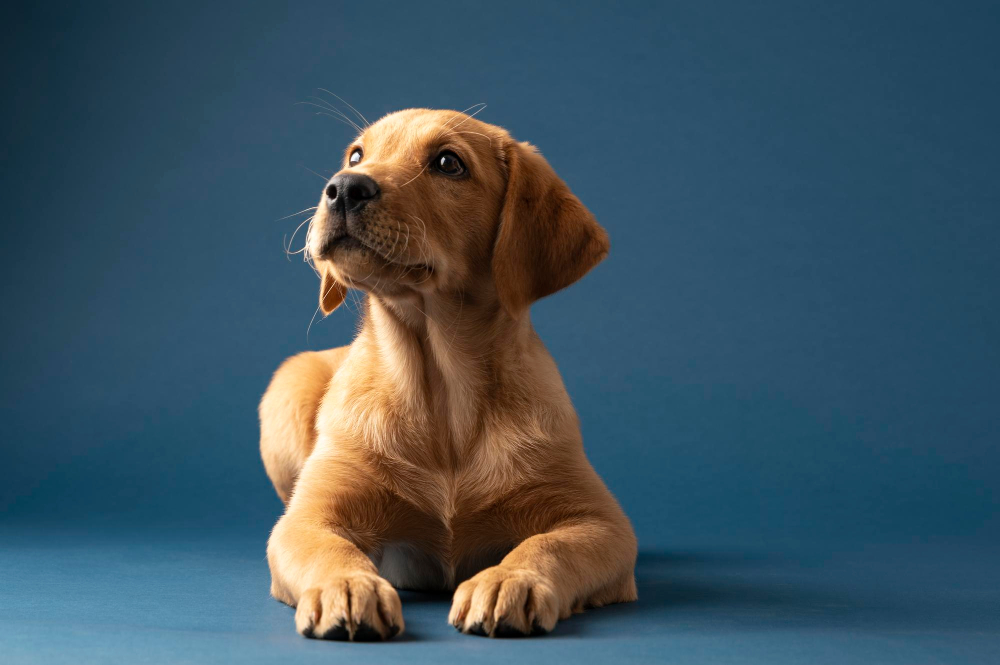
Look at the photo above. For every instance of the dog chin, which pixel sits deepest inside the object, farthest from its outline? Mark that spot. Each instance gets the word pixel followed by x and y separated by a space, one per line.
pixel 359 265
pixel 362 267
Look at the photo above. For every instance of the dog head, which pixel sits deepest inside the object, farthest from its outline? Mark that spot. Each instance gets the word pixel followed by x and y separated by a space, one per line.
pixel 436 201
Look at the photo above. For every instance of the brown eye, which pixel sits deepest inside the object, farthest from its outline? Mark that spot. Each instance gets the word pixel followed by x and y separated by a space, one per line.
pixel 448 163
pixel 355 157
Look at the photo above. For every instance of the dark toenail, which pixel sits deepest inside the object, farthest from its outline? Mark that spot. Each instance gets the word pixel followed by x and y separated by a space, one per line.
pixel 538 630
pixel 506 630
pixel 366 633
pixel 338 632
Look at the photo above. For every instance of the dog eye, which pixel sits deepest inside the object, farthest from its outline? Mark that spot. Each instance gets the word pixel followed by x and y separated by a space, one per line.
pixel 448 163
pixel 355 157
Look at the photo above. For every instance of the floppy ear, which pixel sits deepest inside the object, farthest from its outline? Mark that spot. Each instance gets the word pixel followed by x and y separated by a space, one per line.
pixel 547 239
pixel 331 292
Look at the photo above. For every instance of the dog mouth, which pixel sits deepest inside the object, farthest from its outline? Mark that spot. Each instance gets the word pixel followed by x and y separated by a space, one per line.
pixel 345 242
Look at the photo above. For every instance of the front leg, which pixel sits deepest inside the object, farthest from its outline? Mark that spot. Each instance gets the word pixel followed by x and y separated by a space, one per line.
pixel 584 562
pixel 318 563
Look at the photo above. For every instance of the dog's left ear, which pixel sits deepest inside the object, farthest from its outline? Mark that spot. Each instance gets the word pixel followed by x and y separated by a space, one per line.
pixel 547 239
pixel 331 291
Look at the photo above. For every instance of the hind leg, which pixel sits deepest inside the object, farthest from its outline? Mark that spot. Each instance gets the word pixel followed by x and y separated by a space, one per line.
pixel 288 414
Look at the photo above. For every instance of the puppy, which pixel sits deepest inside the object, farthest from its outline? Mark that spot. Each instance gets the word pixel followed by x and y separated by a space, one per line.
pixel 440 448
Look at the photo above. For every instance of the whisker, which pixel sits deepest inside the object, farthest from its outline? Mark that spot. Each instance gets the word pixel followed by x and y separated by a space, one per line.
pixel 322 177
pixel 424 249
pixel 395 244
pixel 483 104
pixel 476 133
pixel 324 104
pixel 311 321
pixel 321 103
pixel 340 116
pixel 296 213
pixel 406 243
pixel 360 115
pixel 336 117
pixel 306 255
pixel 424 252
pixel 415 177
pixel 333 285
pixel 288 247
pixel 471 116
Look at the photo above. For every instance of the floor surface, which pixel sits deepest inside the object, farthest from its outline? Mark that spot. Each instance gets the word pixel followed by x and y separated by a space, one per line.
pixel 75 596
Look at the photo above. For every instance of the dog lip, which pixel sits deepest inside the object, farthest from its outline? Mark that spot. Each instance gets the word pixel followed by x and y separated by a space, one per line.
pixel 350 242
pixel 344 240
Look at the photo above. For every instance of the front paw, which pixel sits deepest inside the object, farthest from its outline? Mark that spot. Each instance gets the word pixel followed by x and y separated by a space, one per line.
pixel 505 602
pixel 360 607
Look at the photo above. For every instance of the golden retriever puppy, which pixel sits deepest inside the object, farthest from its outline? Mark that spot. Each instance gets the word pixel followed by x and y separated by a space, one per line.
pixel 440 448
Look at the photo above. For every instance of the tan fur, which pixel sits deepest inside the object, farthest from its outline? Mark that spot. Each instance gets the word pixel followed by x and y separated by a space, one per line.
pixel 441 448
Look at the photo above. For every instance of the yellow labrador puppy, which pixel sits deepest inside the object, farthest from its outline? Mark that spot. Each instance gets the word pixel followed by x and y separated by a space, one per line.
pixel 440 448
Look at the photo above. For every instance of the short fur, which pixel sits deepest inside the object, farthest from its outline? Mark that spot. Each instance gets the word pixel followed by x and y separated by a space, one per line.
pixel 441 448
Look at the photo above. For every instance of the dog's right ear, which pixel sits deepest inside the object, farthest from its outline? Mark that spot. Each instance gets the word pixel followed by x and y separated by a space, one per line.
pixel 331 291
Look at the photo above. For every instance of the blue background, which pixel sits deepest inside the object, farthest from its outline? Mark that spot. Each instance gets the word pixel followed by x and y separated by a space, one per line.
pixel 787 370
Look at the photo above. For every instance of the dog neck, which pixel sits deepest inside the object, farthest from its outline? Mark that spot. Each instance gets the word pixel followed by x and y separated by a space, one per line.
pixel 449 354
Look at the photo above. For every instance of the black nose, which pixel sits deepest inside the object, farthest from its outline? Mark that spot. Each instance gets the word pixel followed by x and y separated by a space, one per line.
pixel 351 191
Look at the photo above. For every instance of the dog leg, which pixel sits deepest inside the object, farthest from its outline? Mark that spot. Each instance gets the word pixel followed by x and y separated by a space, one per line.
pixel 334 586
pixel 546 578
pixel 288 414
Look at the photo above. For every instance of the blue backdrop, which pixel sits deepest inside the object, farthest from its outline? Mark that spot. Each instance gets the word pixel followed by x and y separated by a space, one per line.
pixel 793 343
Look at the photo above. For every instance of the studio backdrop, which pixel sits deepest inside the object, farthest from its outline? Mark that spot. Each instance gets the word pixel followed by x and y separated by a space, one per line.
pixel 794 338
